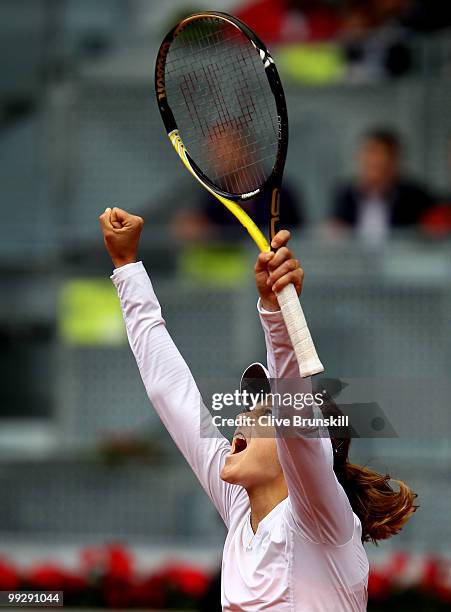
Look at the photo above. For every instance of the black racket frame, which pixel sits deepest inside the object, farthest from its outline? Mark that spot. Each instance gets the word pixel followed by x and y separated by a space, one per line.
pixel 274 181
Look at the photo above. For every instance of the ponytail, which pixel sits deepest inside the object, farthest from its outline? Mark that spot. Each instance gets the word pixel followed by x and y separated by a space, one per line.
pixel 382 511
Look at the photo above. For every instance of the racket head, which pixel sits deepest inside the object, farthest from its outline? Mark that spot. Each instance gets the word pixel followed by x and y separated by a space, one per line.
pixel 223 106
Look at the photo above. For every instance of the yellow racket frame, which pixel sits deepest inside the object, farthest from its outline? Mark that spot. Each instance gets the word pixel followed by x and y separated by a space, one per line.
pixel 254 231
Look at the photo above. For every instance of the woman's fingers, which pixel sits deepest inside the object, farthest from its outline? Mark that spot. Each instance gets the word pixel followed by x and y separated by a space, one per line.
pixel 267 297
pixel 282 255
pixel 295 277
pixel 261 265
pixel 290 265
pixel 105 220
pixel 275 270
pixel 280 239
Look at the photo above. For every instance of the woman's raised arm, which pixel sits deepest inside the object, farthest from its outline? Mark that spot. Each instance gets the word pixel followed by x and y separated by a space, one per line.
pixel 167 378
pixel 318 502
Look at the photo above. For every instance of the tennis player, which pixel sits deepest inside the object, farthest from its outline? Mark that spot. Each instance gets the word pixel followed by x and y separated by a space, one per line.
pixel 297 512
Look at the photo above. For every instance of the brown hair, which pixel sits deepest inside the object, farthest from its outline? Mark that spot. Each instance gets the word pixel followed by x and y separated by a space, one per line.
pixel 385 136
pixel 382 511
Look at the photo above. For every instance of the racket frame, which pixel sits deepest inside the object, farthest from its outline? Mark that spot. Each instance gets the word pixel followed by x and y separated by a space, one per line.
pixel 307 357
pixel 274 180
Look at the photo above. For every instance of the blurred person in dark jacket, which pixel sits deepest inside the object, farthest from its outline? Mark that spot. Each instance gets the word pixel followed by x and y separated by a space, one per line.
pixel 375 42
pixel 380 197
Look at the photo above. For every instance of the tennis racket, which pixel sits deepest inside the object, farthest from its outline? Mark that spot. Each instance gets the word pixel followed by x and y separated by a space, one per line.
pixel 223 107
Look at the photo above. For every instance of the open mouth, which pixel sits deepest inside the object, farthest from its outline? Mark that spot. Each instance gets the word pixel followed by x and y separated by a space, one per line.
pixel 239 444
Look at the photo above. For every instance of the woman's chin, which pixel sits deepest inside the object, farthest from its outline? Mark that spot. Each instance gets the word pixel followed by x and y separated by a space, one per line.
pixel 230 473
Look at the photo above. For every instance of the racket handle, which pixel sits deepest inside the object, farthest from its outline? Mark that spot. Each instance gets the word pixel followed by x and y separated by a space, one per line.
pixel 293 315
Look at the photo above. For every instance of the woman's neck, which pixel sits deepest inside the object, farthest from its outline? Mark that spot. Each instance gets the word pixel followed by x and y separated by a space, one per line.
pixel 264 498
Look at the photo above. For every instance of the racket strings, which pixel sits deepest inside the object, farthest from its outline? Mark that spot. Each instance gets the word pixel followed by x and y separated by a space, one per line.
pixel 222 103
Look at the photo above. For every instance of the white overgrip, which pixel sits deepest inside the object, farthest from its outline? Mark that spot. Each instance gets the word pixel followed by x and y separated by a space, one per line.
pixel 293 315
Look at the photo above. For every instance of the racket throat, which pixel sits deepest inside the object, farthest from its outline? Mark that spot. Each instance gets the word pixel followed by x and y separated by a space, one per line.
pixel 274 221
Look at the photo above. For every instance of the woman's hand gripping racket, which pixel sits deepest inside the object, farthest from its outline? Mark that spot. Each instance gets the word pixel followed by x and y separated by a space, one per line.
pixel 223 106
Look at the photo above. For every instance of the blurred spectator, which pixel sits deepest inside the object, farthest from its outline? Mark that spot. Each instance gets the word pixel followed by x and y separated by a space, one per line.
pixel 211 220
pixel 380 197
pixel 374 40
pixel 376 33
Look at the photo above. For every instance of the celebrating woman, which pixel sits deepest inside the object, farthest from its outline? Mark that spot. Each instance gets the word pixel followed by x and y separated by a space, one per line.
pixel 297 511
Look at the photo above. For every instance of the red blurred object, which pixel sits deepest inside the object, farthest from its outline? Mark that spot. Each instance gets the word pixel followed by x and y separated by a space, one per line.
pixel 114 561
pixel 109 579
pixel 50 577
pixel 437 221
pixel 285 21
pixel 379 584
pixel 46 577
pixel 191 581
pixel 9 577
pixel 430 574
pixel 119 562
pixel 150 592
pixel 117 592
pixel 265 17
pixel 92 560
pixel 122 587
pixel 118 581
pixel 74 583
pixel 436 578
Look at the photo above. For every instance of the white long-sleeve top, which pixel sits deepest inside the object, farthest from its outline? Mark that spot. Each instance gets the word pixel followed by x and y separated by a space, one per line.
pixel 307 554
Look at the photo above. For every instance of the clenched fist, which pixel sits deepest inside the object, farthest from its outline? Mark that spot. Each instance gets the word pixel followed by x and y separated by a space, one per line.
pixel 121 233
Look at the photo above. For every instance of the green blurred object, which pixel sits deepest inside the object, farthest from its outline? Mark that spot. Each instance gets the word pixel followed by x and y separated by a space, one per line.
pixel 317 64
pixel 219 265
pixel 89 313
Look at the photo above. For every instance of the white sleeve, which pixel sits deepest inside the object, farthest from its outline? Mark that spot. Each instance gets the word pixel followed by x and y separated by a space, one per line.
pixel 319 504
pixel 171 387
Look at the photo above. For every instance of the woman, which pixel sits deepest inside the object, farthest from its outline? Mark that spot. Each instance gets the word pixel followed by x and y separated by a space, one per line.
pixel 294 542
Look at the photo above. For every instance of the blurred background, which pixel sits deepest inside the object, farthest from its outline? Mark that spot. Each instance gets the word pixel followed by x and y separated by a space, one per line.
pixel 95 499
